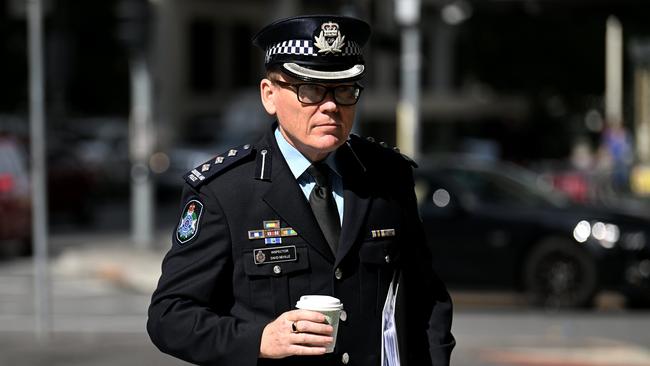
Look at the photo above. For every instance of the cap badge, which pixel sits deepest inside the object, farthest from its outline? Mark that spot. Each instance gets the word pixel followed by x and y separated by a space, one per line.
pixel 330 39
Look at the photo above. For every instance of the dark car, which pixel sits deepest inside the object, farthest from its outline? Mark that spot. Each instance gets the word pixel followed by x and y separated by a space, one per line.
pixel 494 225
pixel 15 201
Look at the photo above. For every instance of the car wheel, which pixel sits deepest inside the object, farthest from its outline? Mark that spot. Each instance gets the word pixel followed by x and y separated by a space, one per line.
pixel 560 274
pixel 637 298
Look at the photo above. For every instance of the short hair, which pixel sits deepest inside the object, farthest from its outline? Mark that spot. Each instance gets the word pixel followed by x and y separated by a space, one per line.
pixel 273 70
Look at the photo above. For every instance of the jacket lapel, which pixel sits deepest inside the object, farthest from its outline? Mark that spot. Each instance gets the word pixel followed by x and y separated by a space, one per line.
pixel 356 197
pixel 286 198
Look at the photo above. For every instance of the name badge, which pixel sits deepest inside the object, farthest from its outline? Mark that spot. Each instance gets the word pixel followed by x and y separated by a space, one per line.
pixel 275 254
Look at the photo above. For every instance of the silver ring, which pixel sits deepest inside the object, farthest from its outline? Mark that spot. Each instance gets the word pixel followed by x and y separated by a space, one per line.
pixel 294 328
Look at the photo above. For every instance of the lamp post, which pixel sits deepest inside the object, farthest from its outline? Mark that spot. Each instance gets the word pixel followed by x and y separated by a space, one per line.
pixel 614 72
pixel 134 30
pixel 38 168
pixel 407 14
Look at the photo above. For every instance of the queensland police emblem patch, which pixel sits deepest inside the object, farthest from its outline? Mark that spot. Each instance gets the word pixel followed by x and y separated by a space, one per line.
pixel 188 226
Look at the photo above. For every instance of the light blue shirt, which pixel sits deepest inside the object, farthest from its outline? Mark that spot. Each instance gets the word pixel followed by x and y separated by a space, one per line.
pixel 298 165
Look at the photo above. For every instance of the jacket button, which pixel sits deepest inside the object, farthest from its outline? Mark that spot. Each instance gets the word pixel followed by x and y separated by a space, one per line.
pixel 344 315
pixel 277 269
pixel 387 258
pixel 345 358
pixel 338 273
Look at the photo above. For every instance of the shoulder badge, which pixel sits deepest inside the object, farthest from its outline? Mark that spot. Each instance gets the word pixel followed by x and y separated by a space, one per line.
pixel 188 226
pixel 211 168
pixel 384 146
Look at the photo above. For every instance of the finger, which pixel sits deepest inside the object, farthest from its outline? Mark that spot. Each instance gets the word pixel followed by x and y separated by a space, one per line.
pixel 312 316
pixel 305 326
pixel 302 350
pixel 308 339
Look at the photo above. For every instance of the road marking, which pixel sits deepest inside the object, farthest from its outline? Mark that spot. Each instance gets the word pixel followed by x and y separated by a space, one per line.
pixel 618 355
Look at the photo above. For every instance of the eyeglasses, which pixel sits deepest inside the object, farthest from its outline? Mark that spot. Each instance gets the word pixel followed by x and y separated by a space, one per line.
pixel 309 93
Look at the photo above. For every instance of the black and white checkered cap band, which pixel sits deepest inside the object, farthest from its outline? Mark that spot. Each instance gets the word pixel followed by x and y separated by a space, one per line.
pixel 306 47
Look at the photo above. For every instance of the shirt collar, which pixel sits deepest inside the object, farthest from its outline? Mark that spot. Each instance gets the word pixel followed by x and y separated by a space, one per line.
pixel 297 162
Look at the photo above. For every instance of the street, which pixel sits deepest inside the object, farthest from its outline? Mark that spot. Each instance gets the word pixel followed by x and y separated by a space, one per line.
pixel 98 319
pixel 526 337
pixel 94 322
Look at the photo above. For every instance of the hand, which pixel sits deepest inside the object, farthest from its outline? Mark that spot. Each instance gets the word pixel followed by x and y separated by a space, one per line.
pixel 310 338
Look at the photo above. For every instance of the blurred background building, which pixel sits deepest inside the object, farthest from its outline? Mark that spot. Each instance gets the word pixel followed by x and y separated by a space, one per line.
pixel 523 80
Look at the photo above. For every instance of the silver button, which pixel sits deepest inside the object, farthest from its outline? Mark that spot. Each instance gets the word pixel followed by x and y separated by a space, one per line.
pixel 387 258
pixel 345 358
pixel 277 269
pixel 338 273
pixel 344 316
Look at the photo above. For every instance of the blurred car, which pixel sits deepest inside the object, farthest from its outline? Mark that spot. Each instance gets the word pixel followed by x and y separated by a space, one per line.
pixel 494 225
pixel 15 199
pixel 71 185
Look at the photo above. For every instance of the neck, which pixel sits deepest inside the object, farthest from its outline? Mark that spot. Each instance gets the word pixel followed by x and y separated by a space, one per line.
pixel 313 155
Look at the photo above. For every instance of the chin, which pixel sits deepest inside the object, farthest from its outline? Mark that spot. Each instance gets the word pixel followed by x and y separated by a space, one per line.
pixel 328 143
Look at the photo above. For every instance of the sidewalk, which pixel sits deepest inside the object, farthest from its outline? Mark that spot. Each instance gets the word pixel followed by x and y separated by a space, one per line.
pixel 114 258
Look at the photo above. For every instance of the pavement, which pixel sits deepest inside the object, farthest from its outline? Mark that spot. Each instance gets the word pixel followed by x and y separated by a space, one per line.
pixel 114 258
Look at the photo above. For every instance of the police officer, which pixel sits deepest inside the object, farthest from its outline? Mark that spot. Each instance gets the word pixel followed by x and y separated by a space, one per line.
pixel 308 210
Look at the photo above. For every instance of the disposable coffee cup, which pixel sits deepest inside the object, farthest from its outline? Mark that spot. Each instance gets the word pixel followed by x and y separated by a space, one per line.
pixel 327 305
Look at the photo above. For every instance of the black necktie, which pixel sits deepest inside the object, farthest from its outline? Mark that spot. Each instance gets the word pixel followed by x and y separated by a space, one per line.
pixel 323 205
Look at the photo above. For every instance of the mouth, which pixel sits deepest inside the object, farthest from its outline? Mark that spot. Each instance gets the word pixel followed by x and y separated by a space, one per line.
pixel 330 125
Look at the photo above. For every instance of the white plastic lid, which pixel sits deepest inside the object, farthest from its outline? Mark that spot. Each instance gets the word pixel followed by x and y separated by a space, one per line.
pixel 319 302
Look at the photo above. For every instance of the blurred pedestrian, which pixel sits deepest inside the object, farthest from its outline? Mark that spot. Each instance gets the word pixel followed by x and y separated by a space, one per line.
pixel 616 145
pixel 307 210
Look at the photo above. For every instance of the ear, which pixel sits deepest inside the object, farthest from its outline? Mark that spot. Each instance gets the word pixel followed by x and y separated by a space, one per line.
pixel 267 93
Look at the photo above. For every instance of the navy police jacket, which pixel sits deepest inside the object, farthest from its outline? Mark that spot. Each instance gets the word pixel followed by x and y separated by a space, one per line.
pixel 248 246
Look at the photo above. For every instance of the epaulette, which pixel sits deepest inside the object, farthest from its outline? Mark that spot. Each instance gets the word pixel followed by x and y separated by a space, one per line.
pixel 385 147
pixel 213 167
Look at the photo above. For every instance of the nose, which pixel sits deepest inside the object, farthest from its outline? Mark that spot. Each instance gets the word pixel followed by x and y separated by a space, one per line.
pixel 328 103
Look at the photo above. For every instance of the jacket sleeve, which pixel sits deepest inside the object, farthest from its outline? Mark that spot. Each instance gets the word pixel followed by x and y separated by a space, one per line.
pixel 189 311
pixel 424 306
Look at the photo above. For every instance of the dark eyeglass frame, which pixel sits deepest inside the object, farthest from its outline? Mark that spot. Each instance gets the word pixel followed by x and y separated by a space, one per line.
pixel 328 89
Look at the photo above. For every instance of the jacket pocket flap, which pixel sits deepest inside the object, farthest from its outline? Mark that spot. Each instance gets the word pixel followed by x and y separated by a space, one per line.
pixel 379 252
